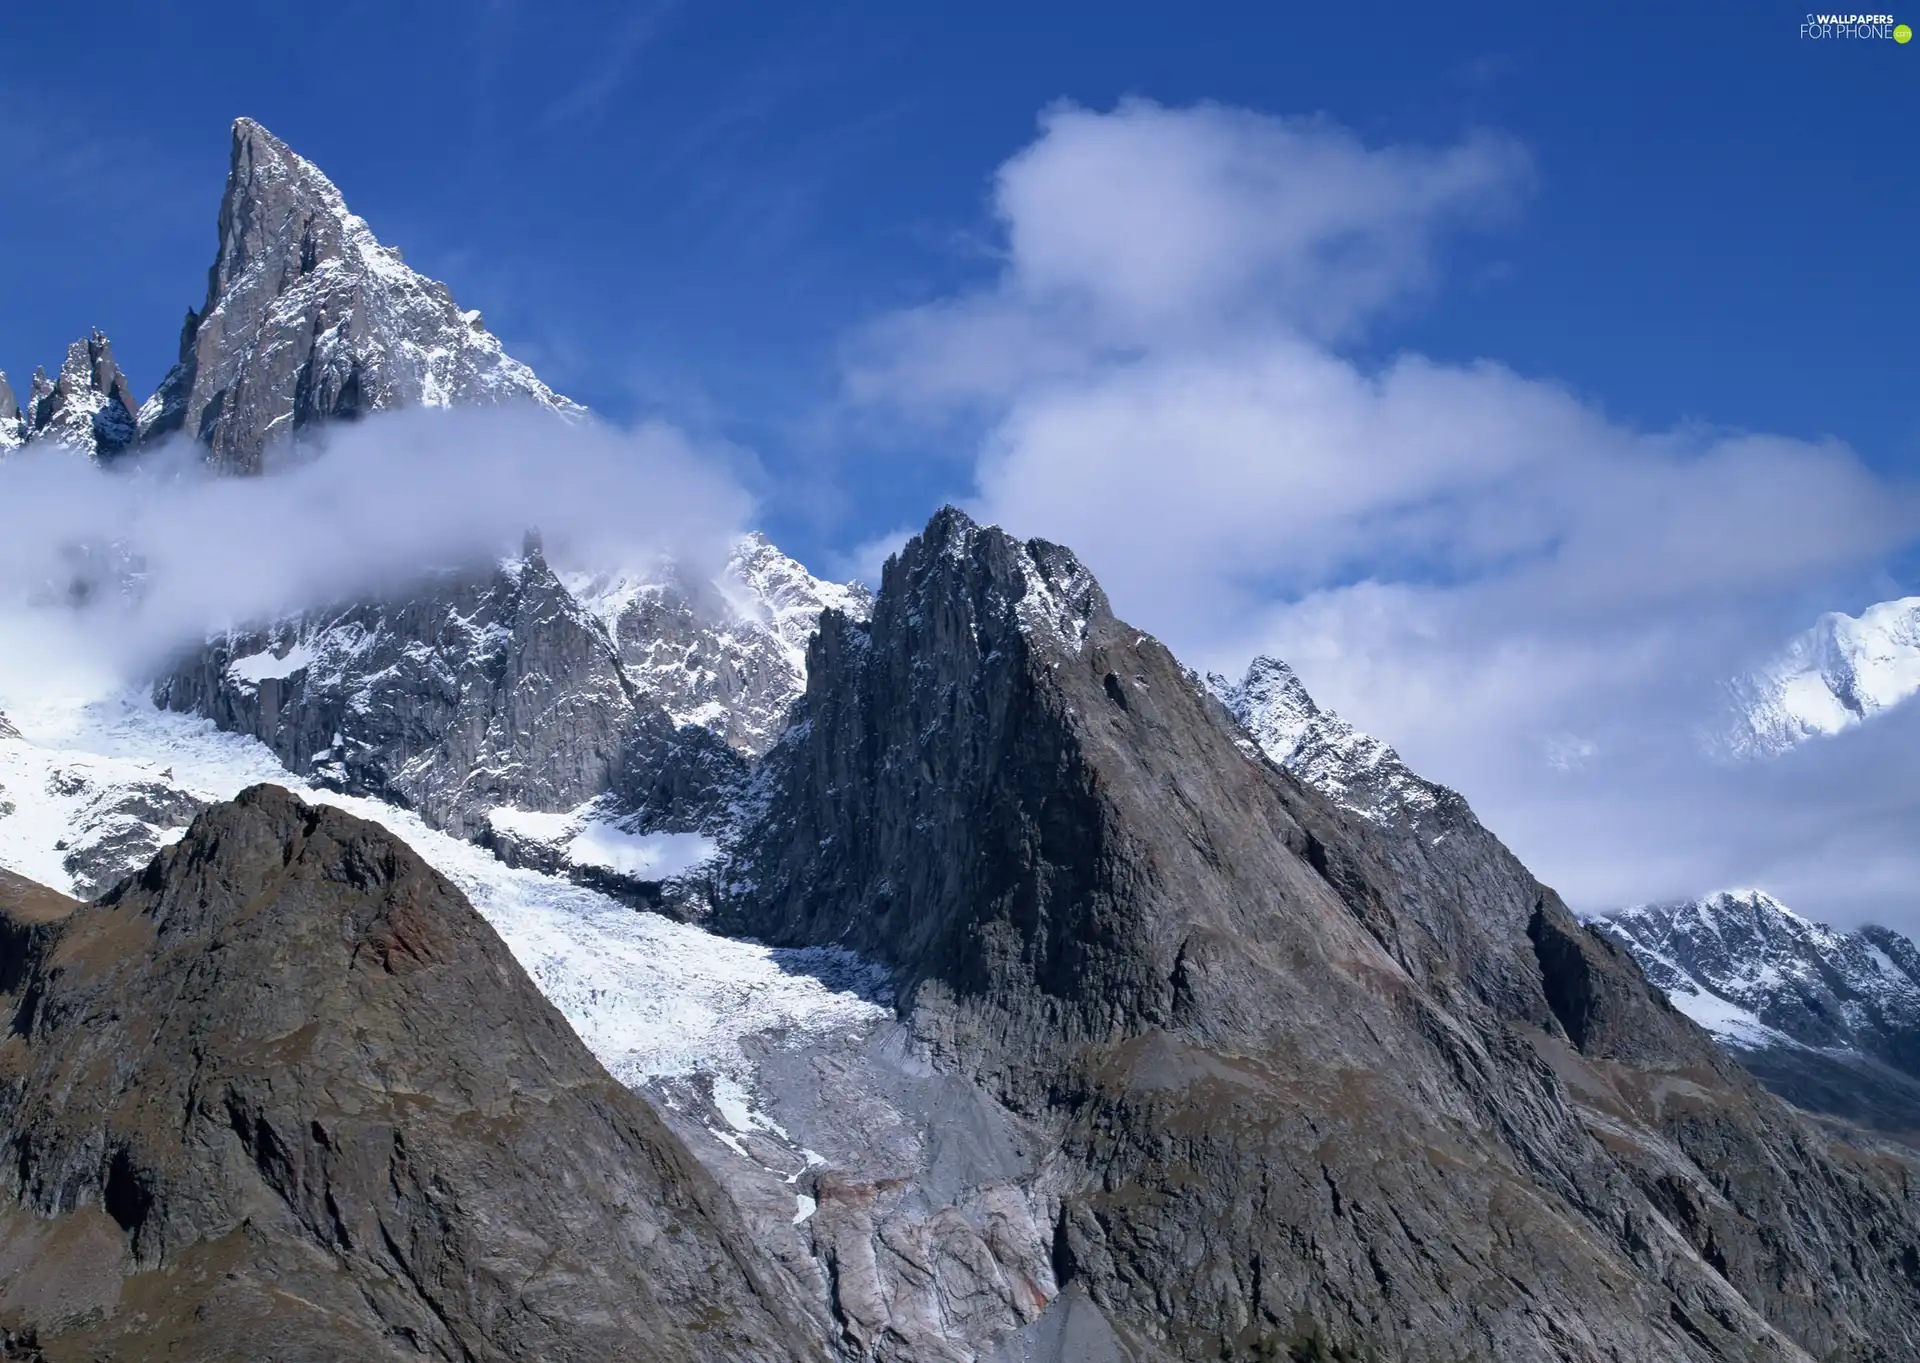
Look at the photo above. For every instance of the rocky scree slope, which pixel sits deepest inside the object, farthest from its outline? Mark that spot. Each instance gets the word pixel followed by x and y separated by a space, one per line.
pixel 398 1149
pixel 309 318
pixel 1306 1083
pixel 1828 1019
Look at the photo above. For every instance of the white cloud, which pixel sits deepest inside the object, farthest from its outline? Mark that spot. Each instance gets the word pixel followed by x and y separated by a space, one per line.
pixel 391 496
pixel 1483 568
pixel 1149 226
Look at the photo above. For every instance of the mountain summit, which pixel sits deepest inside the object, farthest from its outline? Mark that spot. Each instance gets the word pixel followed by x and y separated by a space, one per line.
pixel 309 318
pixel 1840 673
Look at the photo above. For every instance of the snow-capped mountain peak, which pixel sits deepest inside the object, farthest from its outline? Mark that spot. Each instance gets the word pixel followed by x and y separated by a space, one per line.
pixel 308 316
pixel 1829 1018
pixel 1844 670
pixel 728 654
pixel 1351 768
pixel 87 407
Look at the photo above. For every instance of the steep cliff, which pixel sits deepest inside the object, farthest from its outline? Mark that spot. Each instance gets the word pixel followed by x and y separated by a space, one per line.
pixel 308 318
pixel 1308 1082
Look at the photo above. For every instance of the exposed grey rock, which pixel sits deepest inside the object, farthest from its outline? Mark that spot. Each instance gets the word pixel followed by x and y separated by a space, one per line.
pixel 476 691
pixel 309 318
pixel 88 407
pixel 1305 1080
pixel 924 1232
pixel 121 828
pixel 727 654
pixel 13 427
pixel 1828 1019
pixel 286 1095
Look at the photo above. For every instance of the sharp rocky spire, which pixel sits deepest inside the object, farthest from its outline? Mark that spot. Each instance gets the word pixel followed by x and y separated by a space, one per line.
pixel 308 318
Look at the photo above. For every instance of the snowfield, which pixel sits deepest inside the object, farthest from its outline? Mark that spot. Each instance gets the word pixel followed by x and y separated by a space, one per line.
pixel 653 999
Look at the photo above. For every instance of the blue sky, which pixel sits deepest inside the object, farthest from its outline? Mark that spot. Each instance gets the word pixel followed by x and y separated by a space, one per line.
pixel 686 207
pixel 1519 373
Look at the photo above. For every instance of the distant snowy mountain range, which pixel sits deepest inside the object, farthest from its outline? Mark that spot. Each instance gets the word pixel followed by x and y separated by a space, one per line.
pixel 1829 1019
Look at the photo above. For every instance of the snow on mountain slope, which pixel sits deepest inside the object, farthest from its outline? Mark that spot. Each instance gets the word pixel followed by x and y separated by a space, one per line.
pixel 87 407
pixel 652 998
pixel 521 690
pixel 1841 672
pixel 730 654
pixel 308 317
pixel 13 426
pixel 1351 768
pixel 1751 970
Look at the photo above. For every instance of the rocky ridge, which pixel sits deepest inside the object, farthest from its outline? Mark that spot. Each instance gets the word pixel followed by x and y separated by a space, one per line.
pixel 87 407
pixel 727 653
pixel 1828 1019
pixel 1300 1083
pixel 308 318
pixel 1353 769
pixel 484 690
pixel 635 700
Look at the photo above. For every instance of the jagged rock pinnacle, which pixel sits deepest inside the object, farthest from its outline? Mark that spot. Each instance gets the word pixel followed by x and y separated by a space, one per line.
pixel 12 429
pixel 308 318
pixel 89 407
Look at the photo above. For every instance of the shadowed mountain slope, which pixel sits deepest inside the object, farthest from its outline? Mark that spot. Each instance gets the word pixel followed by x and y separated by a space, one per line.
pixel 1312 1082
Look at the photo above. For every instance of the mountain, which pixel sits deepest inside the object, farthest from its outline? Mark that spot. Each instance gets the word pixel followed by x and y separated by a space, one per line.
pixel 727 654
pixel 1066 1009
pixel 1301 1083
pixel 491 699
pixel 399 1149
pixel 623 700
pixel 13 426
pixel 309 318
pixel 482 690
pixel 1828 1019
pixel 1354 770
pixel 1840 673
pixel 87 407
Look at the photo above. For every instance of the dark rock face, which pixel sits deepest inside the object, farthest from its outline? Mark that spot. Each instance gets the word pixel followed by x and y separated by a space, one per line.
pixel 1309 1081
pixel 481 690
pixel 285 1095
pixel 1828 1019
pixel 88 406
pixel 309 318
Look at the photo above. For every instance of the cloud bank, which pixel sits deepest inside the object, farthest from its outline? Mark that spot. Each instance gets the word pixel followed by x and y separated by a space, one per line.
pixel 1534 602
pixel 389 498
